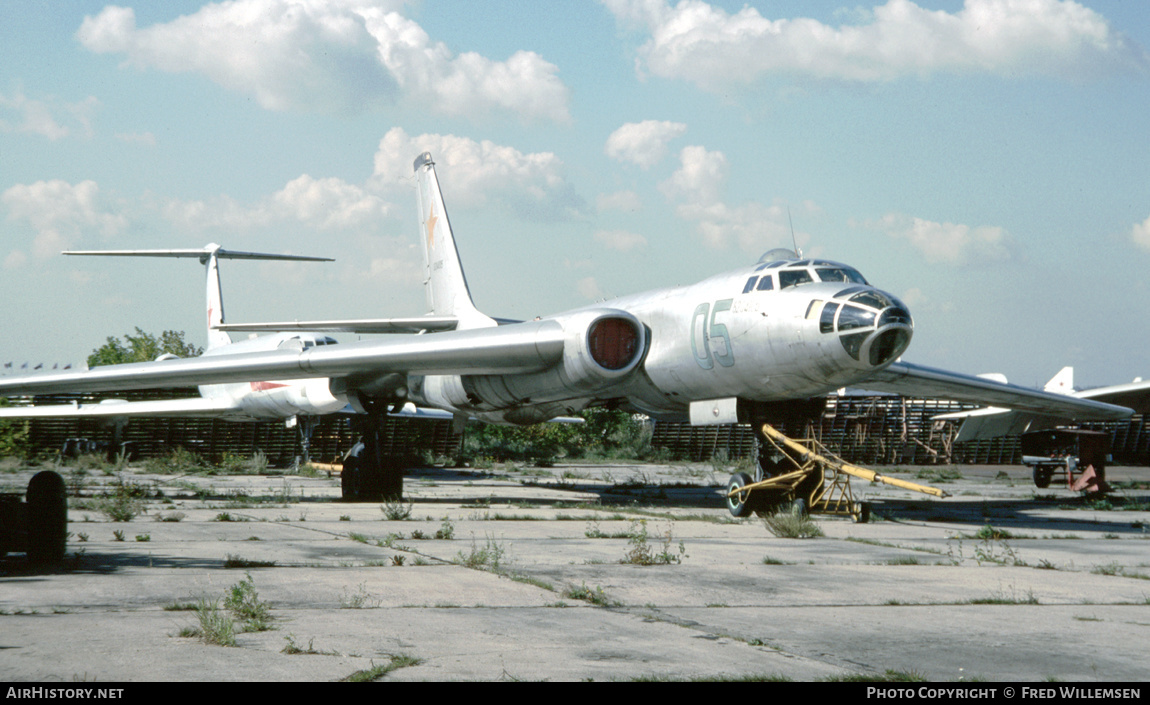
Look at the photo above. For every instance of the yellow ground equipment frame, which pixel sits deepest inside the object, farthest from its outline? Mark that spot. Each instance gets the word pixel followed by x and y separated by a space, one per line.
pixel 820 481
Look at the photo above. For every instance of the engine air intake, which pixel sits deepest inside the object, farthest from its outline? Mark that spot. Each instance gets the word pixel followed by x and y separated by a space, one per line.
pixel 613 342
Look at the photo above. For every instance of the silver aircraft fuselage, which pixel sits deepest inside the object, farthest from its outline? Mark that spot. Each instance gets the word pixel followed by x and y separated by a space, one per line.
pixel 724 337
pixel 784 329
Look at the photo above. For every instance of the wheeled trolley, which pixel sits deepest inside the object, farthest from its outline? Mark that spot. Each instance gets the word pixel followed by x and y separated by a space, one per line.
pixel 1082 455
pixel 811 479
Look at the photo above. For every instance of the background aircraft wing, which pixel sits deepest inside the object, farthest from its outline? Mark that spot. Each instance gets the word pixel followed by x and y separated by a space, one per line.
pixel 194 406
pixel 1135 395
pixel 362 325
pixel 994 422
pixel 918 381
pixel 527 347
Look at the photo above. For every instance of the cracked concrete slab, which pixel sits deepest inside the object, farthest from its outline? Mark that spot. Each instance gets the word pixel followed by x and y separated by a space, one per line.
pixel 522 574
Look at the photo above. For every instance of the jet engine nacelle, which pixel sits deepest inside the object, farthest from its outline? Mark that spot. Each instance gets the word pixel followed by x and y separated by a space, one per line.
pixel 601 347
pixel 281 399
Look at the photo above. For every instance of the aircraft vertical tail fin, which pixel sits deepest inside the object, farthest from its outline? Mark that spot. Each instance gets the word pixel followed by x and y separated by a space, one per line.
pixel 446 285
pixel 208 256
pixel 1061 383
pixel 215 299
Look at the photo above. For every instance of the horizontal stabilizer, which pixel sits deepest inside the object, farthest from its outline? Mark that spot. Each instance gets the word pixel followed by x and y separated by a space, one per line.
pixel 201 254
pixel 363 325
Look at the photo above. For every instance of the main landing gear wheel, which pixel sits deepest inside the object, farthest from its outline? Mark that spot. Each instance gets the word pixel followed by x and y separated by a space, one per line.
pixel 861 515
pixel 740 505
pixel 369 476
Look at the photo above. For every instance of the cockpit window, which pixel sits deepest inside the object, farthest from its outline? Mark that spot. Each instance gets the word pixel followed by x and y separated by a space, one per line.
pixel 766 283
pixel 750 284
pixel 854 317
pixel 839 274
pixel 873 298
pixel 794 277
pixel 827 322
pixel 849 290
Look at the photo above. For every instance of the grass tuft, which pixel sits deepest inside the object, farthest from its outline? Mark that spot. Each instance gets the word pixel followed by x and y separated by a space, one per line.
pixel 787 524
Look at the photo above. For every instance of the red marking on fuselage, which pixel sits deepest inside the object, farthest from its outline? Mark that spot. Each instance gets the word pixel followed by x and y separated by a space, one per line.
pixel 265 386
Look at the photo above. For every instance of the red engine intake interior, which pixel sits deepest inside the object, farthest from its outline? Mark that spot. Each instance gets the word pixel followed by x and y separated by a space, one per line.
pixel 614 342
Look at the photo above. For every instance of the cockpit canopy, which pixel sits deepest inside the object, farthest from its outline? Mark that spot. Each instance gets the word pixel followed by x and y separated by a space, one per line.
pixel 789 270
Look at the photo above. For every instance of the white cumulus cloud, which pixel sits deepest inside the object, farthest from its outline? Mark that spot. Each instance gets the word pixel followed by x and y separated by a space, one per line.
pixel 621 240
pixel 618 201
pixel 323 204
pixel 61 213
pixel 695 189
pixel 699 178
pixel 1140 234
pixel 643 143
pixel 337 56
pixel 948 243
pixel 49 118
pixel 706 45
pixel 471 173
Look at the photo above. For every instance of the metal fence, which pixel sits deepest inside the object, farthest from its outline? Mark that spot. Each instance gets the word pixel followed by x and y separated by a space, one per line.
pixel 872 429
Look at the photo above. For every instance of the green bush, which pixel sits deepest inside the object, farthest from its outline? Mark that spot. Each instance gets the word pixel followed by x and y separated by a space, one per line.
pixel 15 435
pixel 604 434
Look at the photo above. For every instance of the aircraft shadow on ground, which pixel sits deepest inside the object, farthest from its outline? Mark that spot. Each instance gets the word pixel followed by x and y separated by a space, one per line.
pixel 1023 513
pixel 82 559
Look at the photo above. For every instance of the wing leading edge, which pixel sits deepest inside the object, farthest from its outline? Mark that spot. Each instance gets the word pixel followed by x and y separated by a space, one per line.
pixel 526 347
pixel 111 408
pixel 414 324
pixel 918 381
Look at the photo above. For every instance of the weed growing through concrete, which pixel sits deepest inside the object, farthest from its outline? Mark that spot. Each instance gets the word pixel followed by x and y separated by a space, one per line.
pixel 358 600
pixel 376 672
pixel 1001 597
pixel 396 510
pixel 125 502
pixel 768 560
pixel 245 603
pixel 446 530
pixel 292 648
pixel 789 524
pixel 234 561
pixel 490 557
pixel 215 626
pixel 992 548
pixel 595 596
pixel 228 517
pixel 642 553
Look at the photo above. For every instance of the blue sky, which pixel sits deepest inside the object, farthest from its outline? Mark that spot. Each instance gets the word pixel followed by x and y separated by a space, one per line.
pixel 988 161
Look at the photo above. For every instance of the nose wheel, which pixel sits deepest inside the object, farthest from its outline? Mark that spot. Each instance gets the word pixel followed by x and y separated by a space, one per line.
pixel 738 496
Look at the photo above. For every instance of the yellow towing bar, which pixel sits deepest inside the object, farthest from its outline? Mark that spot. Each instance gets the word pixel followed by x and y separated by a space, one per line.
pixel 802 455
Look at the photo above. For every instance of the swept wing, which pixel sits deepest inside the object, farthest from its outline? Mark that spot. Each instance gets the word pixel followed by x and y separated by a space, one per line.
pixel 414 324
pixel 521 348
pixel 111 408
pixel 917 381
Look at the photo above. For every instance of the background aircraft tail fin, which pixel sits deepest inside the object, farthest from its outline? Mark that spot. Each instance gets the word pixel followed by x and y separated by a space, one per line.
pixel 1061 383
pixel 446 286
pixel 208 256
